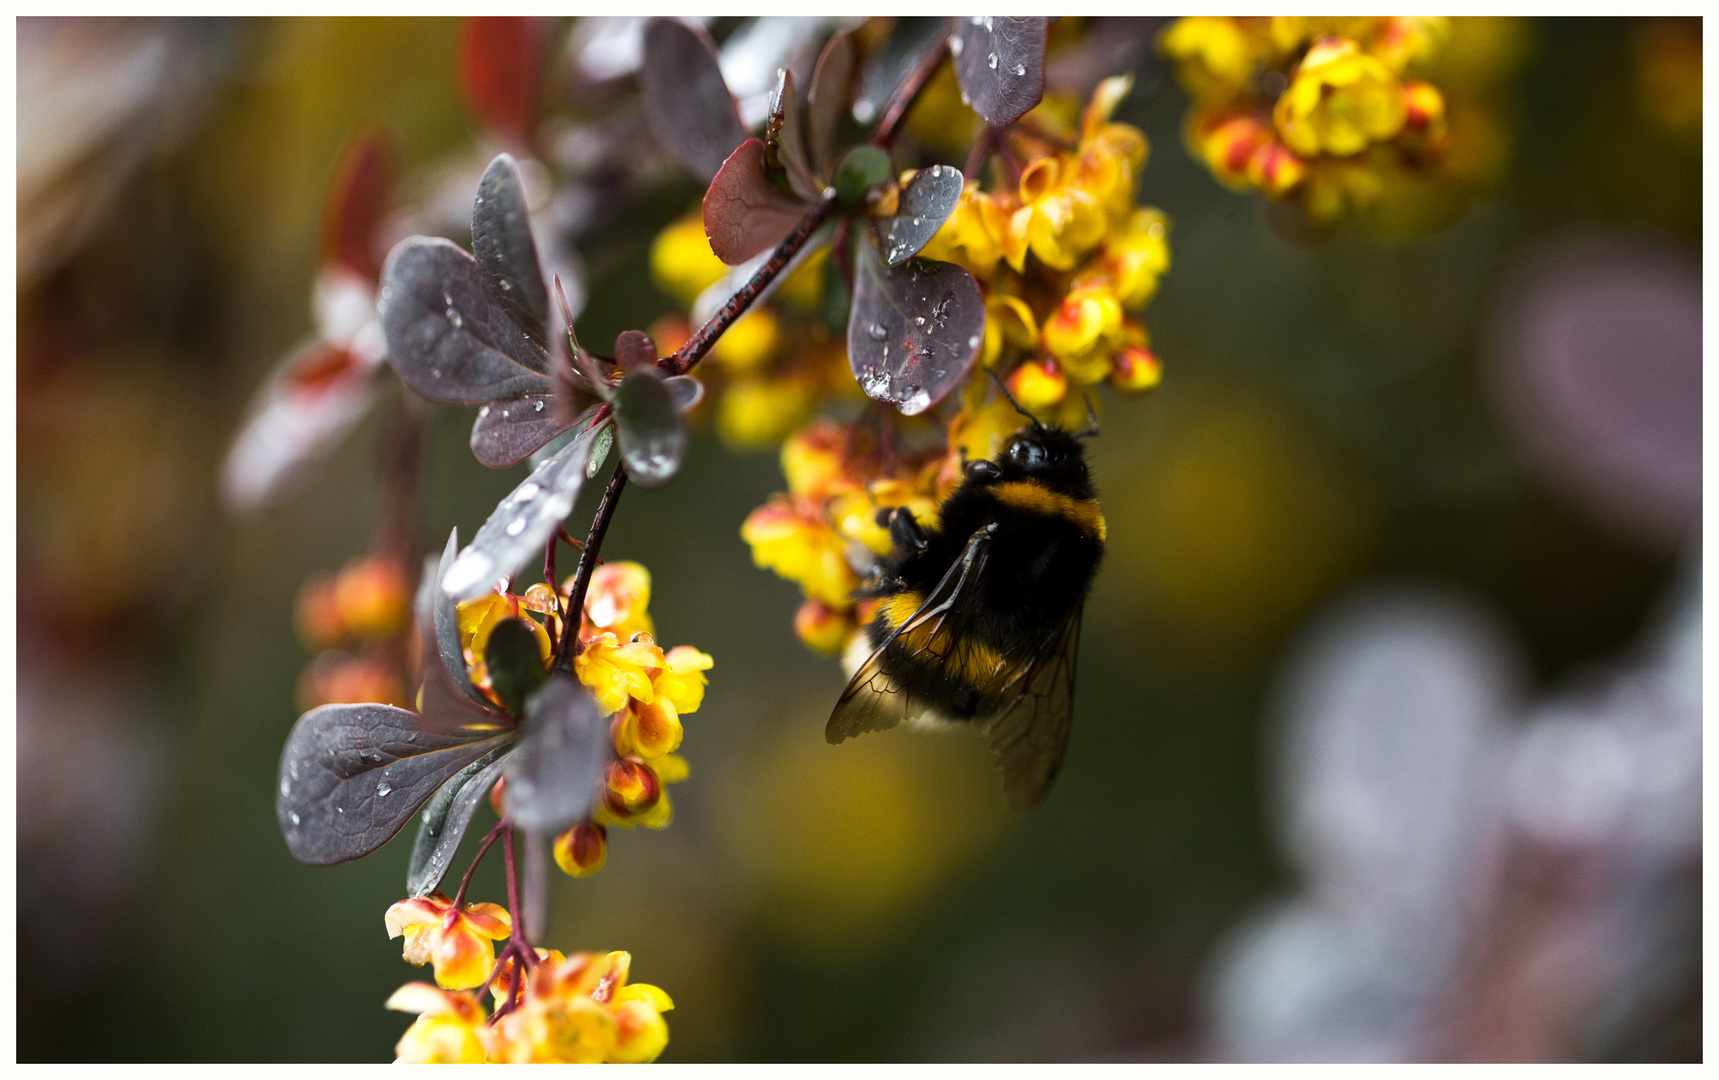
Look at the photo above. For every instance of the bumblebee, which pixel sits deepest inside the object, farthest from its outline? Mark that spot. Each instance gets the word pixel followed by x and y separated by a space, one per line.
pixel 978 619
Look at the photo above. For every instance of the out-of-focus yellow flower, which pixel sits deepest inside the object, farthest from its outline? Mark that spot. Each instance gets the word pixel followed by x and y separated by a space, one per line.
pixel 582 850
pixel 1137 255
pixel 1227 142
pixel 617 598
pixel 823 628
pixel 791 538
pixel 1008 321
pixel 814 459
pixel 682 680
pixel 641 1033
pixel 973 235
pixel 760 412
pixel 449 1029
pixel 1213 54
pixel 369 599
pixel 1137 370
pixel 940 119
pixel 648 731
pixel 617 671
pixel 338 678
pixel 1423 116
pixel 979 434
pixel 1339 101
pixel 1400 41
pixel 1084 331
pixel 682 263
pixel 1038 385
pixel 457 941
pixel 750 343
pixel 1274 169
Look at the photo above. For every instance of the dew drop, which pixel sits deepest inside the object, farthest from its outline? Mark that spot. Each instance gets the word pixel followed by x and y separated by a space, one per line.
pixel 286 787
pixel 528 490
pixel 538 407
pixel 1020 69
pixel 504 414
pixel 294 818
pixel 454 317
pixel 340 809
pixel 956 44
pixel 965 100
pixel 411 736
pixel 507 286
pixel 382 789
pixel 973 342
pixel 990 62
pixel 919 320
pixel 436 372
pixel 516 526
pixel 877 332
pixel 483 412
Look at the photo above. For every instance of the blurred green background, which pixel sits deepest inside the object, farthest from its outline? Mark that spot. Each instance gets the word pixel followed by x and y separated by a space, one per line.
pixel 1324 419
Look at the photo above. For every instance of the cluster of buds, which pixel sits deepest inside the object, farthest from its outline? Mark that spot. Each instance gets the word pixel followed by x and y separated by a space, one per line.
pixel 629 675
pixel 358 623
pixel 576 1009
pixel 1325 114
pixel 1062 252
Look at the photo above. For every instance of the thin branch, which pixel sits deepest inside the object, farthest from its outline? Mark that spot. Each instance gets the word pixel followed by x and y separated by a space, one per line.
pixel 588 566
pixel 483 849
pixel 908 91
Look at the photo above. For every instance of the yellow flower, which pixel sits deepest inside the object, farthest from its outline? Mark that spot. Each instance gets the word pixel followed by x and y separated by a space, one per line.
pixel 682 263
pixel 1137 255
pixel 1038 386
pixel 582 850
pixel 616 600
pixel 758 412
pixel 1423 116
pixel 1400 41
pixel 616 672
pixel 750 343
pixel 648 731
pixel 814 461
pixel 791 538
pixel 1008 320
pixel 1213 53
pixel 1274 169
pixel 682 680
pixel 456 941
pixel 1057 221
pixel 973 235
pixel 979 434
pixel 449 1029
pixel 641 1033
pixel 1085 329
pixel 1340 100
pixel 479 615
pixel 1226 143
pixel 1137 370
pixel 823 628
pixel 630 788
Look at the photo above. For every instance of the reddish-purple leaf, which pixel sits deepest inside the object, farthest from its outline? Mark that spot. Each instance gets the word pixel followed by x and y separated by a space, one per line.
pixel 915 329
pixel 357 202
pixel 317 395
pixel 439 623
pixel 743 213
pixel 446 818
pixel 785 138
pixel 686 100
pixel 927 200
pixel 633 349
pixel 499 71
pixel 650 427
pixel 1000 62
pixel 506 254
pixel 553 776
pixel 832 85
pixel 446 338
pixel 508 431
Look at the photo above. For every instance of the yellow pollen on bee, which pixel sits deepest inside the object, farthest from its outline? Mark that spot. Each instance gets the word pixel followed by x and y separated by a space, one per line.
pixel 1036 499
pixel 900 608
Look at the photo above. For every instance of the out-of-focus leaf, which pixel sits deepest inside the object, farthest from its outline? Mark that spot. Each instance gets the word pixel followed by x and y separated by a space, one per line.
pixel 436 610
pixel 686 390
pixel 861 168
pixel 521 523
pixel 686 100
pixel 887 67
pixel 915 328
pixel 515 666
pixel 446 338
pixel 552 776
pixel 1000 62
pixel 832 82
pixel 507 432
pixel 352 775
pixel 838 302
pixel 744 214
pixel 357 202
pixel 317 395
pixel 634 349
pixel 506 254
pixel 499 72
pixel 446 818
pixel 650 428
pixel 927 200
pixel 785 138
pixel 600 447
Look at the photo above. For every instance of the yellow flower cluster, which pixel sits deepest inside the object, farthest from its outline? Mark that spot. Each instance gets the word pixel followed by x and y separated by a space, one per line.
pixel 1062 254
pixel 570 1010
pixel 1328 114
pixel 647 689
pixel 824 533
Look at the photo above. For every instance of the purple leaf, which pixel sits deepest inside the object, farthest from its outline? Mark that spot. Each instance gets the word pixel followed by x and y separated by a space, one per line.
pixel 441 622
pixel 785 139
pixel 507 432
pixel 832 83
pixel 446 338
pixel 1000 62
pixel 352 775
pixel 650 428
pixel 915 329
pixel 927 200
pixel 552 777
pixel 634 349
pixel 521 523
pixel 447 816
pixel 506 254
pixel 686 390
pixel 686 100
pixel 743 213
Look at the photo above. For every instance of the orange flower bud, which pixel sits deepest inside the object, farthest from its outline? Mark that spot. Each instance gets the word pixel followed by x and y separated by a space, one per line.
pixel 1038 385
pixel 824 629
pixel 647 730
pixel 1137 370
pixel 338 678
pixel 582 850
pixel 1275 169
pixel 319 623
pixel 630 788
pixel 374 598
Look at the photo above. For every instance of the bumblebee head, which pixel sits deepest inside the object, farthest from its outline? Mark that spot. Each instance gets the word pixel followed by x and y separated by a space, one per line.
pixel 1048 455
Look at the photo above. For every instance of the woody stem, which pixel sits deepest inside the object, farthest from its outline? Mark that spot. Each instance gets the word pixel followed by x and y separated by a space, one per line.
pixel 588 566
pixel 908 91
pixel 483 849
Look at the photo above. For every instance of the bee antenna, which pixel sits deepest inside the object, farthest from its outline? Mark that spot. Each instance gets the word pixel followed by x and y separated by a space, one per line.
pixel 1091 418
pixel 998 379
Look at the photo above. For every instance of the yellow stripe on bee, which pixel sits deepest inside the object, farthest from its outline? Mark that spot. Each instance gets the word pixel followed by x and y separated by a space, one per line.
pixel 900 608
pixel 1037 499
pixel 975 664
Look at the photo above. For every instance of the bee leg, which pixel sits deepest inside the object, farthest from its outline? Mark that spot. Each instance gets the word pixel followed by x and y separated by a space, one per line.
pixel 904 531
pixel 981 470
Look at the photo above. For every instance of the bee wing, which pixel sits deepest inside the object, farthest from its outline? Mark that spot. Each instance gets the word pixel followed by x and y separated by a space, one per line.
pixel 1029 734
pixel 873 699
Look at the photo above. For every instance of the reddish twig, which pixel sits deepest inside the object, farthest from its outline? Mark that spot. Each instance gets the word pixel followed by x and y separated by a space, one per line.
pixel 588 565
pixel 908 91
pixel 483 849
